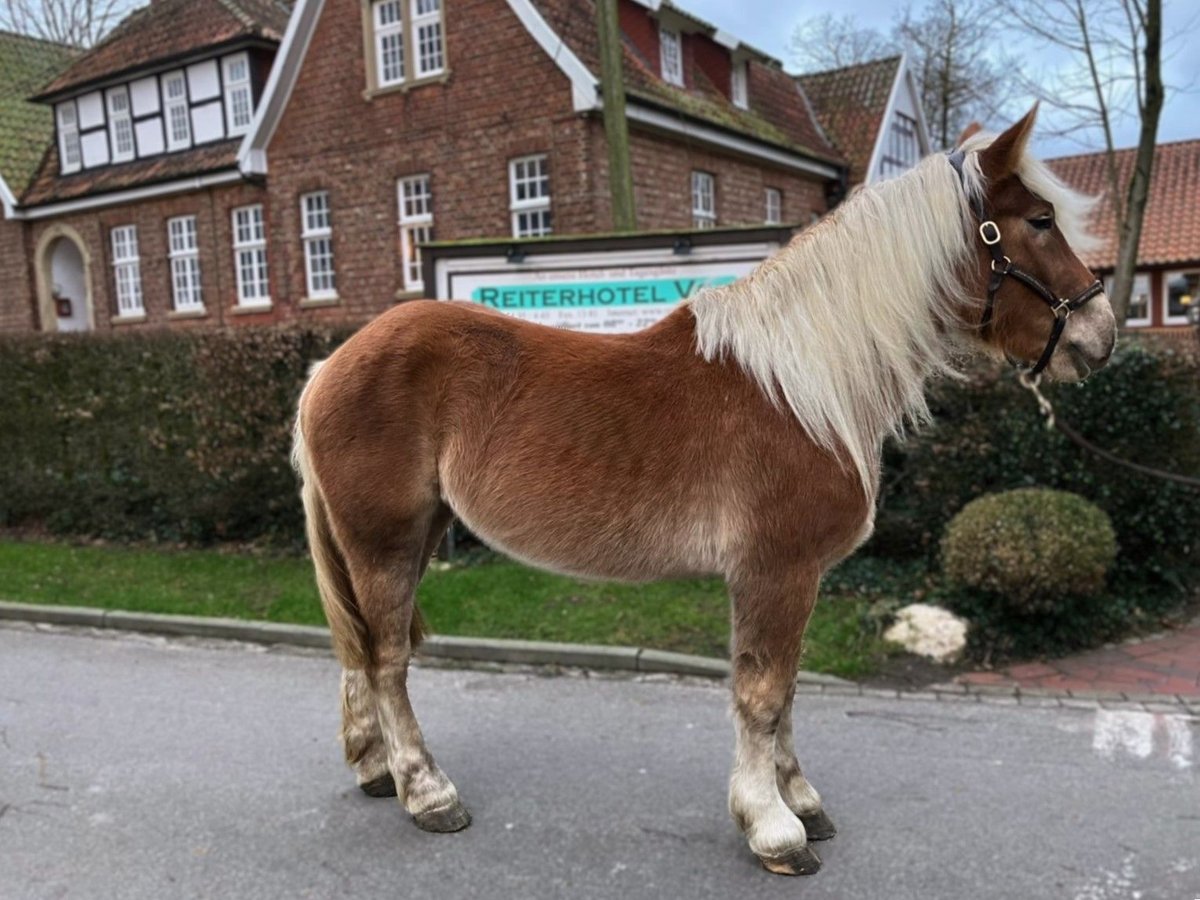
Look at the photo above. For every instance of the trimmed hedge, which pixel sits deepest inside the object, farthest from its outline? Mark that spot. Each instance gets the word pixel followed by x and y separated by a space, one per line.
pixel 987 437
pixel 1030 546
pixel 163 435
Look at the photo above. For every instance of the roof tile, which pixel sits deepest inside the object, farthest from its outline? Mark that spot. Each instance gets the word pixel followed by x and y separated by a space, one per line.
pixel 25 128
pixel 1171 227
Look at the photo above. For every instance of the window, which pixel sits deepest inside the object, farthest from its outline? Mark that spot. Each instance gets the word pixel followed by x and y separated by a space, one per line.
pixel 774 199
pixel 120 125
pixel 317 235
pixel 739 88
pixel 127 271
pixel 1182 293
pixel 416 227
pixel 184 253
pixel 671 55
pixel 1138 314
pixel 427 37
pixel 250 256
pixel 902 151
pixel 179 124
pixel 404 30
pixel 239 107
pixel 68 137
pixel 704 200
pixel 389 41
pixel 529 191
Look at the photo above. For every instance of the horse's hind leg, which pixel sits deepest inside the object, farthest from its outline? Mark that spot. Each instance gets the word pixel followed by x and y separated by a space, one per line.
pixel 361 734
pixel 800 796
pixel 770 612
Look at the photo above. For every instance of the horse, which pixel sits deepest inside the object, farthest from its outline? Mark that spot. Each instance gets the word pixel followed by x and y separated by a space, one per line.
pixel 739 436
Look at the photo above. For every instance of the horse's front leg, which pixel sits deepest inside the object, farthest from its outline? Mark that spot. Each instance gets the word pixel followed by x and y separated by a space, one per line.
pixel 770 612
pixel 800 796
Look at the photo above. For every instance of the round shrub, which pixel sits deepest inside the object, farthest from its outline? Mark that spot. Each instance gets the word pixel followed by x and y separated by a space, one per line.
pixel 1031 547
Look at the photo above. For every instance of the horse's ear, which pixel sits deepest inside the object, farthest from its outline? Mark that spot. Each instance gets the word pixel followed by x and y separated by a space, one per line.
pixel 969 132
pixel 1004 154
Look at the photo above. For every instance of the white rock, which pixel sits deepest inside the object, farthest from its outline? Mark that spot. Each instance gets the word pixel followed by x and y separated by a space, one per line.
pixel 929 631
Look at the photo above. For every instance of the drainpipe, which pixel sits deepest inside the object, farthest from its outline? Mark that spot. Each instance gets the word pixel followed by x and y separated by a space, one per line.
pixel 616 126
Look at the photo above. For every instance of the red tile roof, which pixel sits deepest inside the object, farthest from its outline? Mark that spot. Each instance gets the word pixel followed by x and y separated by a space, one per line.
pixel 850 103
pixel 167 29
pixel 50 187
pixel 777 113
pixel 1171 227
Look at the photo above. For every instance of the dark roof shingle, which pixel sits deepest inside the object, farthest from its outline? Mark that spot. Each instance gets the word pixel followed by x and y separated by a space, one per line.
pixel 25 128
pixel 1171 227
pixel 167 29
pixel 850 103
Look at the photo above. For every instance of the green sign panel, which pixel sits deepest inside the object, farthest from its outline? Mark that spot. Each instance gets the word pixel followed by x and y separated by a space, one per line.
pixel 598 294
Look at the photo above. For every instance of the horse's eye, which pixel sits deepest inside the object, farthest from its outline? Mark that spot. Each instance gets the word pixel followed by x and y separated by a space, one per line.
pixel 1042 223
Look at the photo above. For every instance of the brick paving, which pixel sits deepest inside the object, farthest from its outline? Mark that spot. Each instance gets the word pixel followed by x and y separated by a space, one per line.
pixel 1167 664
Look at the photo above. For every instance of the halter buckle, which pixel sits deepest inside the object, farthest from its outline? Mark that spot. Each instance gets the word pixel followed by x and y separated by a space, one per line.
pixel 990 232
pixel 1062 310
pixel 1005 270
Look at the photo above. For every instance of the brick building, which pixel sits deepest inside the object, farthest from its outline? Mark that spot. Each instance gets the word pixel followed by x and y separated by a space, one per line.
pixel 1167 279
pixel 227 161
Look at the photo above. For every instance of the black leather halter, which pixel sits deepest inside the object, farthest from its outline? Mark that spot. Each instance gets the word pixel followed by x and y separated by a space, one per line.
pixel 1002 267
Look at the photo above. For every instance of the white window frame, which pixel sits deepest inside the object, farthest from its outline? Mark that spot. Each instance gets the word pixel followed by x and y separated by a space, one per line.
pixel 236 88
pixel 429 20
pixel 316 233
pixel 538 205
pixel 704 200
pixel 117 119
pixel 70 147
pixel 670 55
pixel 1167 318
pixel 250 257
pixel 1142 278
pixel 170 104
pixel 183 250
pixel 773 198
pixel 739 84
pixel 127 272
pixel 380 32
pixel 414 196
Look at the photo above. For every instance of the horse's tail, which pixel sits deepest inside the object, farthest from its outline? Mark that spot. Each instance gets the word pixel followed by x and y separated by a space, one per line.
pixel 346 624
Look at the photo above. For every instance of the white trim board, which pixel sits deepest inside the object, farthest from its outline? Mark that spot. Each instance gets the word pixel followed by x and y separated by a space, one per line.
pixel 7 201
pixel 197 183
pixel 705 134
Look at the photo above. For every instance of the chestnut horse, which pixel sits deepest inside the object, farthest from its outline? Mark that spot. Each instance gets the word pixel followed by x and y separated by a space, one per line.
pixel 739 436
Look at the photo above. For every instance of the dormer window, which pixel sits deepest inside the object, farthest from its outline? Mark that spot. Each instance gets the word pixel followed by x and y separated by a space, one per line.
pixel 179 125
pixel 739 87
pixel 120 124
pixel 69 150
pixel 238 104
pixel 671 55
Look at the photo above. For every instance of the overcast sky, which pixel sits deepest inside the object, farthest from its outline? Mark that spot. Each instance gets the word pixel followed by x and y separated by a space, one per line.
pixel 768 25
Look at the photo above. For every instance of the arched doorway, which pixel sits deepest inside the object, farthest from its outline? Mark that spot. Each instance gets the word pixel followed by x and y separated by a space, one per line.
pixel 64 281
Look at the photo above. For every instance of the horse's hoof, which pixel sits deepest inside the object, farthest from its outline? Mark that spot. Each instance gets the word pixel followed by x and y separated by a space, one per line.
pixel 382 786
pixel 801 861
pixel 444 819
pixel 818 826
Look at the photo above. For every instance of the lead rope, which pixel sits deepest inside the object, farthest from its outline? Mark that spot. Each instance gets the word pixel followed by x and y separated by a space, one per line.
pixel 1032 384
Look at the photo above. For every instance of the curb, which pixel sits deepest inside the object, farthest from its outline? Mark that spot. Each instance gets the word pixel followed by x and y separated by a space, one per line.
pixel 496 650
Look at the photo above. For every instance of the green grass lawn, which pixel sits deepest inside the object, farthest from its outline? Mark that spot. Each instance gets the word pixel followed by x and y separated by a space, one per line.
pixel 492 598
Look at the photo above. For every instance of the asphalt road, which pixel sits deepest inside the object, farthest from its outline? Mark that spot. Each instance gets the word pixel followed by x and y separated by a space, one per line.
pixel 146 768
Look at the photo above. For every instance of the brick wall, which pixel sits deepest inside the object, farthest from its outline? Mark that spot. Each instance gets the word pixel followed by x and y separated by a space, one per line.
pixel 17 305
pixel 212 209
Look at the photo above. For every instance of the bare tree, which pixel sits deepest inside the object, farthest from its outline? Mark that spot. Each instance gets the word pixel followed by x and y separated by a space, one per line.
pixel 78 23
pixel 959 64
pixel 1115 70
pixel 832 42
